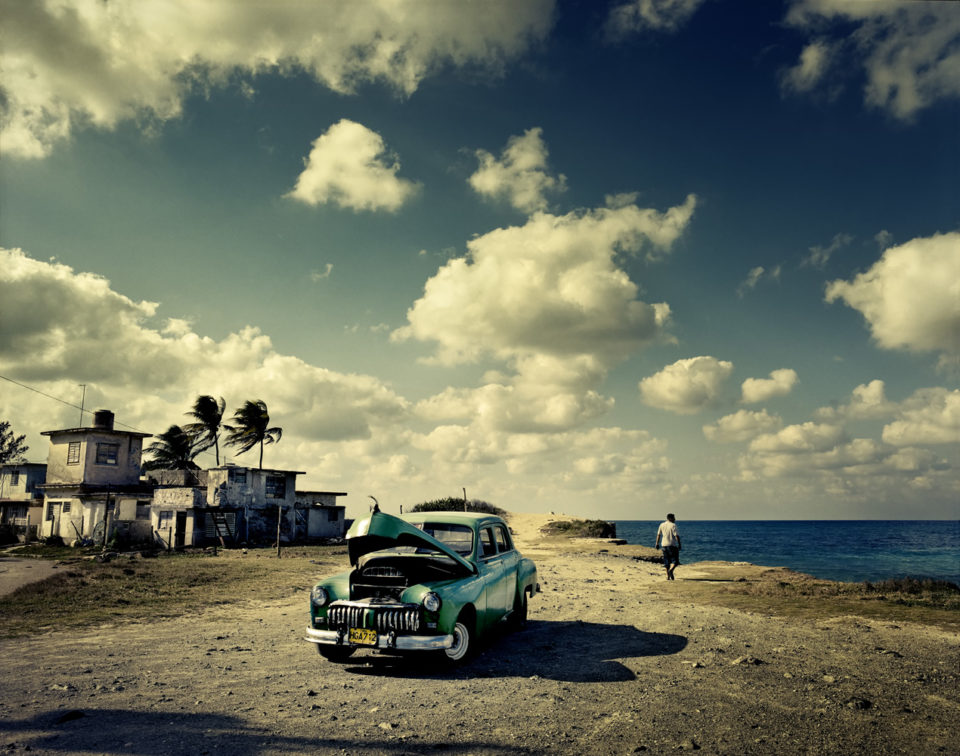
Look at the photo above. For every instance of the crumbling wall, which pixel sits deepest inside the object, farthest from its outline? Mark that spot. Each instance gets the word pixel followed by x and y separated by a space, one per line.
pixel 262 525
pixel 178 498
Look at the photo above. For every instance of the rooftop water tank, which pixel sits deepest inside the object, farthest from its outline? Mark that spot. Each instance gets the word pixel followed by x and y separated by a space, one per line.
pixel 103 419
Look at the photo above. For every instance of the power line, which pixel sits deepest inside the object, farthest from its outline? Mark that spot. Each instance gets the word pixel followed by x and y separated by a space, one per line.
pixel 84 411
pixel 38 391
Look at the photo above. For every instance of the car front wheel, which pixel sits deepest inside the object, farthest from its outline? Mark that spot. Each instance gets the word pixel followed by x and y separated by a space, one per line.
pixel 462 641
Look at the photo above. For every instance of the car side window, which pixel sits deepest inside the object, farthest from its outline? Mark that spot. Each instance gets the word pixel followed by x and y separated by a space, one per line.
pixel 503 542
pixel 486 543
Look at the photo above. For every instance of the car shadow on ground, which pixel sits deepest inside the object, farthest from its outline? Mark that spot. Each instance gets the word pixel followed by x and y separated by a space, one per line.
pixel 562 651
pixel 139 733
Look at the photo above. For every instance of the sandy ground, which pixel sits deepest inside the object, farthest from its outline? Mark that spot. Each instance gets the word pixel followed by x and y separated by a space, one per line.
pixel 611 662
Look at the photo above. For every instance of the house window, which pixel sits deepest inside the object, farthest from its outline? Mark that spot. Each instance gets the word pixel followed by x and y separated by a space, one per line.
pixel 332 514
pixel 73 453
pixel 66 508
pixel 166 520
pixel 238 477
pixel 50 512
pixel 15 478
pixel 107 454
pixel 276 487
pixel 143 510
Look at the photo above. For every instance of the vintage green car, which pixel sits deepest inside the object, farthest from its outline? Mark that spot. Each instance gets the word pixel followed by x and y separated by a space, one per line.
pixel 431 581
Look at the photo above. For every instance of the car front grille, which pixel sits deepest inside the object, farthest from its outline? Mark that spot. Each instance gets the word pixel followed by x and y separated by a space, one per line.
pixel 401 618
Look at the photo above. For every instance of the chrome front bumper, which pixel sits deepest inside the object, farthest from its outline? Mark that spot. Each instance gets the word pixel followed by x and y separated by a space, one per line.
pixel 388 641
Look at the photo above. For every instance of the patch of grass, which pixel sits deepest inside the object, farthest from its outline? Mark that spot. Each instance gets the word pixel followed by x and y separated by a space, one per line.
pixel 580 529
pixel 86 592
pixel 790 594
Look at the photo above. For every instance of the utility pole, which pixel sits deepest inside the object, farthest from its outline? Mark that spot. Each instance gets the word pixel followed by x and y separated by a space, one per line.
pixel 464 499
pixel 83 400
pixel 279 520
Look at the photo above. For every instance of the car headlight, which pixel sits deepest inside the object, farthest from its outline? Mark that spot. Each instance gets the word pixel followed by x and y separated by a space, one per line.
pixel 318 596
pixel 432 602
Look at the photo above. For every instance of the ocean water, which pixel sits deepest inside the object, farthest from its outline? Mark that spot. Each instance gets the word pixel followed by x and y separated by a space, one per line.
pixel 847 550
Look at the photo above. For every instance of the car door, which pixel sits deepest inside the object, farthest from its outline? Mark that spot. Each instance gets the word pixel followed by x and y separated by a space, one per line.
pixel 509 562
pixel 491 570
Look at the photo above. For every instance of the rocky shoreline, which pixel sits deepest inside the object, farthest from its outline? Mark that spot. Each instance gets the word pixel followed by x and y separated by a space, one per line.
pixel 613 660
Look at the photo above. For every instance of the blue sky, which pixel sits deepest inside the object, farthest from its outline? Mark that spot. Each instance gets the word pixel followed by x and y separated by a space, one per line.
pixel 601 258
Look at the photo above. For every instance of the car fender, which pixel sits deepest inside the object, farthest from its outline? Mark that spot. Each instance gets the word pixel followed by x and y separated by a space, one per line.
pixel 454 596
pixel 527 577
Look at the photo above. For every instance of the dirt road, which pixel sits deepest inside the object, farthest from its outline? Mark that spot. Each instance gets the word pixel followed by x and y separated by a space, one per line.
pixel 609 663
pixel 15 572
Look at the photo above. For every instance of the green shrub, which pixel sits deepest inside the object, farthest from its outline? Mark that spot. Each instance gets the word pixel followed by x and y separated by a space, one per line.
pixel 581 528
pixel 453 504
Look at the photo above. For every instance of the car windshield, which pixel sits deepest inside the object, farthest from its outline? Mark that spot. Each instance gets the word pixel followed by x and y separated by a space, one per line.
pixel 458 537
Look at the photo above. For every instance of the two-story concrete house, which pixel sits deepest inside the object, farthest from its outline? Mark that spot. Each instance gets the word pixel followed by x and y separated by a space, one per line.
pixel 94 485
pixel 233 504
pixel 93 475
pixel 21 498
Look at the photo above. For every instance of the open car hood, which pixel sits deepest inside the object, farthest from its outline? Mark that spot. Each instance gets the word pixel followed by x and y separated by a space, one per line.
pixel 383 531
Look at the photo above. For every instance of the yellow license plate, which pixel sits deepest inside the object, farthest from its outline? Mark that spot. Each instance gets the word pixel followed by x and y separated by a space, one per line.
pixel 362 637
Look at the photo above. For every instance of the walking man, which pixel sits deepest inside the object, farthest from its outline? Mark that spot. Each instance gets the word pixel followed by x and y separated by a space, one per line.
pixel 668 539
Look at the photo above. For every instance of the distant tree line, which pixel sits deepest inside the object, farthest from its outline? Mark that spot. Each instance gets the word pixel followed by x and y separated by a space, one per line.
pixel 456 504
pixel 176 447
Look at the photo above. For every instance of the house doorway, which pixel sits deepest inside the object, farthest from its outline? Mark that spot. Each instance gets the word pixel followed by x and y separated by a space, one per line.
pixel 180 531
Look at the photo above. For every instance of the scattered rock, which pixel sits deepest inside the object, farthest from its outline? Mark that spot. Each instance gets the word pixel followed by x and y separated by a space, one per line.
pixel 858 703
pixel 747 660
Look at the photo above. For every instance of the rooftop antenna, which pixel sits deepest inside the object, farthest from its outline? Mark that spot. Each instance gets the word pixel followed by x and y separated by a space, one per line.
pixel 83 400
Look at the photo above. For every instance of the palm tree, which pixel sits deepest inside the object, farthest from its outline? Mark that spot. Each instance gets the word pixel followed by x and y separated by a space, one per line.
pixel 174 449
pixel 208 413
pixel 250 428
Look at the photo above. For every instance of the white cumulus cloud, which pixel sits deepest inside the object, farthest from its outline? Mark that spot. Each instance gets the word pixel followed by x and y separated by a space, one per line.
pixel 780 383
pixel 868 401
pixel 72 63
pixel 742 425
pixel 807 437
pixel 349 166
pixel 930 416
pixel 687 386
pixel 520 175
pixel 549 287
pixel 908 51
pixel 546 394
pixel 911 296
pixel 150 373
